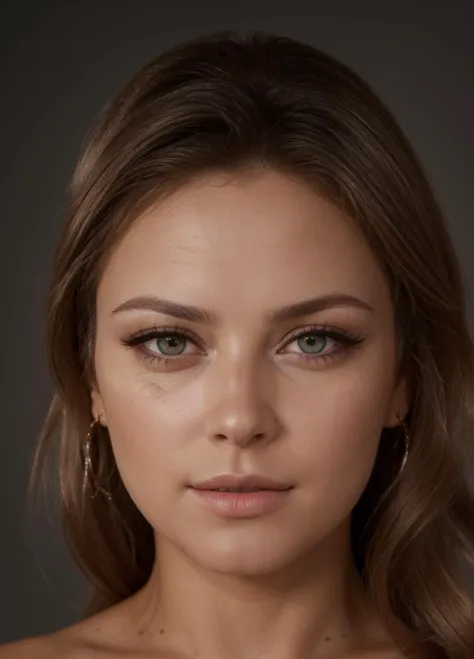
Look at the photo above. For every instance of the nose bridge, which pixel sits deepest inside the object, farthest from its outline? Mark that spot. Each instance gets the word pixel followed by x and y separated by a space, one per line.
pixel 240 393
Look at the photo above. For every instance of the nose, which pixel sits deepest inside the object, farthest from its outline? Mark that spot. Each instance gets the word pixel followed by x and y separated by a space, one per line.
pixel 240 408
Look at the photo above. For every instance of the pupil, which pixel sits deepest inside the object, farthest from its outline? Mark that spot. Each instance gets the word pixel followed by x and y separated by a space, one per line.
pixel 311 342
pixel 171 343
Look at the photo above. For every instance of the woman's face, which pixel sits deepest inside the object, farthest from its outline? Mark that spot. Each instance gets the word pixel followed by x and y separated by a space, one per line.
pixel 240 392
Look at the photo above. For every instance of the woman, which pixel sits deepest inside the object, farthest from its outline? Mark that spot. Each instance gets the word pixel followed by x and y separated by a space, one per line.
pixel 264 372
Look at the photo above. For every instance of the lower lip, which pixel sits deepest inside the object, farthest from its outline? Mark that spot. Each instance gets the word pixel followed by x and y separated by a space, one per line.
pixel 243 504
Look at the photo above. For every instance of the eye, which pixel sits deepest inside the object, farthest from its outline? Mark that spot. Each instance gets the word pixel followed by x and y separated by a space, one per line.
pixel 313 341
pixel 162 344
pixel 170 345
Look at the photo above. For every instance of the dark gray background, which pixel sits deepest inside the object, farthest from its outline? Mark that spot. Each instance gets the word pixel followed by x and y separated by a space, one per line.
pixel 60 62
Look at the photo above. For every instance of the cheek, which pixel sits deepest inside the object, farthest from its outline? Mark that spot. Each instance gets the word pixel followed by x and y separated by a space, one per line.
pixel 335 426
pixel 151 433
pixel 341 448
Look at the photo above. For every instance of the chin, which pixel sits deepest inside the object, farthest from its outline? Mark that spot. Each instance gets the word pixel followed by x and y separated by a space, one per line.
pixel 243 553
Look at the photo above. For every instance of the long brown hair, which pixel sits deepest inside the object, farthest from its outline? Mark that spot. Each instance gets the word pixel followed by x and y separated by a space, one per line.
pixel 232 102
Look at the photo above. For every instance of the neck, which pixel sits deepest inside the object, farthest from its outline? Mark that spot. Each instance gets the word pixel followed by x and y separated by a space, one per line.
pixel 312 608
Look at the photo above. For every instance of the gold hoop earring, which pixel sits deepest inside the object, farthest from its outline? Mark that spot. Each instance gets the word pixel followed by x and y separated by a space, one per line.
pixel 407 442
pixel 88 469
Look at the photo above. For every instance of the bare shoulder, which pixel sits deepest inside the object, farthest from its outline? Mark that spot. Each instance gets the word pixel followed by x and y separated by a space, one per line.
pixel 63 644
pixel 37 647
pixel 96 637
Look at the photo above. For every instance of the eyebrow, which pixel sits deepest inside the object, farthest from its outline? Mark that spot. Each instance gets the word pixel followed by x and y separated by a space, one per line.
pixel 206 317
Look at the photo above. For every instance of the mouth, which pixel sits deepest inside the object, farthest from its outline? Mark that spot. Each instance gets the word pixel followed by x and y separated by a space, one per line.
pixel 238 483
pixel 243 502
pixel 242 489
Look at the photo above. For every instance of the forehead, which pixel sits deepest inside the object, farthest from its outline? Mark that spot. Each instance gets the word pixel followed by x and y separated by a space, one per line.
pixel 246 240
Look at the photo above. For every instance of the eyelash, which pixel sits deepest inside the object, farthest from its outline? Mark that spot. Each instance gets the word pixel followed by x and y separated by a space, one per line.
pixel 345 339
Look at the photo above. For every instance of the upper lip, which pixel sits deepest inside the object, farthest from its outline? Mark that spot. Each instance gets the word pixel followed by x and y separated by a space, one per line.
pixel 241 482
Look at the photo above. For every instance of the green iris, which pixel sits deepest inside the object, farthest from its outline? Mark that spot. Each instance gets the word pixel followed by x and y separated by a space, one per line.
pixel 312 341
pixel 174 343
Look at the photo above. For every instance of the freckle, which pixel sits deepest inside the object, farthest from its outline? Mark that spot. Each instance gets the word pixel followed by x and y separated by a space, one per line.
pixel 328 638
pixel 162 631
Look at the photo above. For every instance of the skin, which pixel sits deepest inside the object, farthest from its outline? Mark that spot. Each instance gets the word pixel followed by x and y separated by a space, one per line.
pixel 244 400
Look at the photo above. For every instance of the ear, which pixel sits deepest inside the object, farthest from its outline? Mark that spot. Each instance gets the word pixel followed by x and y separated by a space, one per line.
pixel 97 407
pixel 399 402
